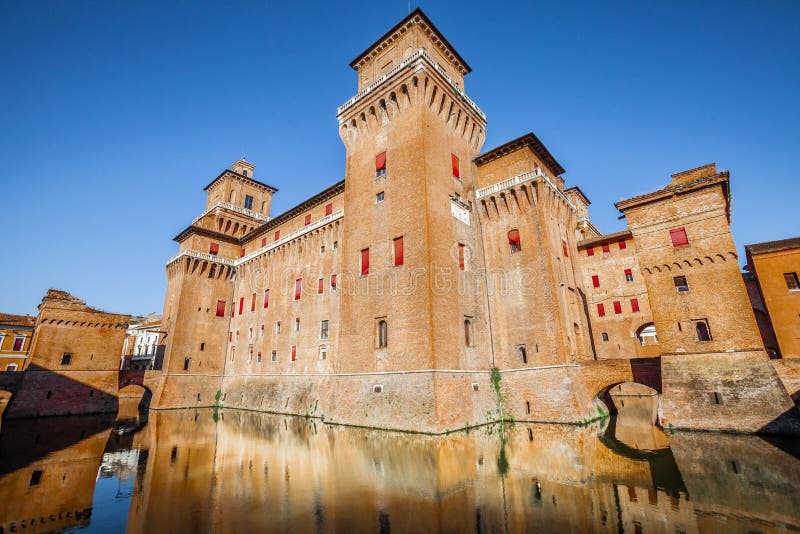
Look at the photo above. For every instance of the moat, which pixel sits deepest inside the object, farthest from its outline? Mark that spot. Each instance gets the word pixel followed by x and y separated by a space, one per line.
pixel 237 471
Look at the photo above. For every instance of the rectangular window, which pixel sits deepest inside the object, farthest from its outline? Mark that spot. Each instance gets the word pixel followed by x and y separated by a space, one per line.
pixel 18 343
pixel 617 307
pixel 606 248
pixel 259 356
pixel 266 298
pixel 678 237
pixel 248 202
pixel 274 356
pixel 595 281
pixel 380 164
pixel 307 220
pixel 263 241
pixel 364 262
pixel 590 251
pixel 213 248
pixel 681 284
pixel 333 282
pixel 294 353
pixel 605 336
pixel 564 248
pixel 277 235
pixel 253 303
pixel 379 197
pixel 456 166
pixel 243 252
pixel 320 286
pixel 634 305
pixel 241 305
pixel 297 324
pixel 628 275
pixel 221 305
pixel 398 251
pixel 601 310
pixel 460 257
pixel 792 282
pixel 298 286
pixel 261 332
pixel 323 329
pixel 328 209
pixel 277 327
pixel 66 358
pixel 622 244
pixel 514 242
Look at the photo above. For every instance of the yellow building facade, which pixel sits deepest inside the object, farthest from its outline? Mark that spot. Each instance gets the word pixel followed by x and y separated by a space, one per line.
pixel 16 332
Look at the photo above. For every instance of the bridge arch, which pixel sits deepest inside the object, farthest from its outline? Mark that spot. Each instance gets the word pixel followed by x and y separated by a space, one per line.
pixel 135 394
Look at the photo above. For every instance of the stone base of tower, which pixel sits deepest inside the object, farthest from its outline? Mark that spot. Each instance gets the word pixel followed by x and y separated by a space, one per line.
pixel 418 401
pixel 185 391
pixel 729 392
pixel 42 392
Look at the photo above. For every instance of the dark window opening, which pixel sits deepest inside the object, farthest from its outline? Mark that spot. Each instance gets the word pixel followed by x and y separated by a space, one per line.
pixel 681 284
pixel 248 201
pixel 383 334
pixel 605 336
pixel 66 358
pixel 702 331
pixel 186 362
pixel 792 283
pixel 36 477
pixel 523 353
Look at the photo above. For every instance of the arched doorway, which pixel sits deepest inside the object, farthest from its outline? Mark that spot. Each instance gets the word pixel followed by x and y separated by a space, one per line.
pixel 647 338
pixel 133 400
pixel 634 407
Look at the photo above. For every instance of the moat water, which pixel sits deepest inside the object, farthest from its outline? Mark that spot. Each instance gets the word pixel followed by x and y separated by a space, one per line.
pixel 239 471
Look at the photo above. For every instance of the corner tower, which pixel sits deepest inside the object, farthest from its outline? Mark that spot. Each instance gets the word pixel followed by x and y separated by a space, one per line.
pixel 410 243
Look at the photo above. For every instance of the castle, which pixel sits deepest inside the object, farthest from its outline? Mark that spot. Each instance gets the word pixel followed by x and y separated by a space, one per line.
pixel 440 286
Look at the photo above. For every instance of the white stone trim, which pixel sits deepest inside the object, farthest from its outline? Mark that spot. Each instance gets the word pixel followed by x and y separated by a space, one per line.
pixel 520 178
pixel 232 207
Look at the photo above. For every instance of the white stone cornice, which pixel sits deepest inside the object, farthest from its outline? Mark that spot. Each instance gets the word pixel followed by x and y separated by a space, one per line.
pixel 263 250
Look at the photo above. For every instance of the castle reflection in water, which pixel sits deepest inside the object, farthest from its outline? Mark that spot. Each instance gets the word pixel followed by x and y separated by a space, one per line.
pixel 238 471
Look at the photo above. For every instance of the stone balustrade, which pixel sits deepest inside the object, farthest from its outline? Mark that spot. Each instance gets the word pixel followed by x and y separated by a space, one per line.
pixel 418 55
pixel 232 207
pixel 527 176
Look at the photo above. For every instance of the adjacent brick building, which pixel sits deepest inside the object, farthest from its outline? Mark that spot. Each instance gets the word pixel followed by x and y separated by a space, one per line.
pixel 16 332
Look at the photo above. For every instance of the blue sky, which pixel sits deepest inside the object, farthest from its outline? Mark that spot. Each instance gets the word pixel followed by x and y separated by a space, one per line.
pixel 114 116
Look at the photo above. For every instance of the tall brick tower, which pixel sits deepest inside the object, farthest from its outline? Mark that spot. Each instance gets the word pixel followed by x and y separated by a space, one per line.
pixel 411 134
pixel 199 299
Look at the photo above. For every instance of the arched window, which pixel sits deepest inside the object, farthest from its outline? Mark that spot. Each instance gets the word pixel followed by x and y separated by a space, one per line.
pixel 323 353
pixel 647 335
pixel 703 333
pixel 383 334
pixel 513 241
pixel 232 197
pixel 468 332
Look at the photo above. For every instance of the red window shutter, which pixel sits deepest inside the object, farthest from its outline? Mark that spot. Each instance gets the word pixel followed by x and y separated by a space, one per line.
pixel 606 249
pixel 277 234
pixel 266 298
pixel 320 286
pixel 456 166
pixel 590 251
pixel 230 336
pixel 678 237
pixel 380 162
pixel 617 307
pixel 213 248
pixel 253 303
pixel 221 306
pixel 513 237
pixel 233 308
pixel 634 305
pixel 308 219
pixel 263 241
pixel 18 344
pixel 298 285
pixel 333 280
pixel 622 244
pixel 460 257
pixel 241 305
pixel 398 251
pixel 243 252
pixel 564 248
pixel 601 310
pixel 595 281
pixel 328 209
pixel 294 352
pixel 365 262
pixel 628 273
